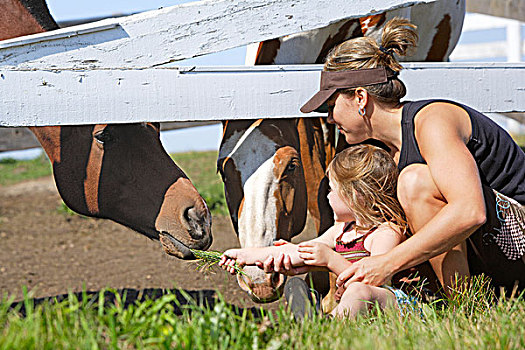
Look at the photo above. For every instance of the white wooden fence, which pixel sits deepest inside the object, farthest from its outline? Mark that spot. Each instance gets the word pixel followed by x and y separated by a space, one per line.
pixel 104 72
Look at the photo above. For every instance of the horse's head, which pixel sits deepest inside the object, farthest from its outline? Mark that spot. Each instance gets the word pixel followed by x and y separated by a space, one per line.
pixel 122 173
pixel 117 172
pixel 260 164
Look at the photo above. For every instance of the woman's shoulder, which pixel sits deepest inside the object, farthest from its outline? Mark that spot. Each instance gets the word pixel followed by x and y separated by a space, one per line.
pixel 441 108
pixel 442 117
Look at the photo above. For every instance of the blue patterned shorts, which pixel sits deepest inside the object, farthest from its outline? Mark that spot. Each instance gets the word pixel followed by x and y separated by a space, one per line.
pixel 407 304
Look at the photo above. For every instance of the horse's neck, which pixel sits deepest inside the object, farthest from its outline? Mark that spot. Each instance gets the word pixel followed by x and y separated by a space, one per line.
pixel 19 18
pixel 317 150
pixel 49 138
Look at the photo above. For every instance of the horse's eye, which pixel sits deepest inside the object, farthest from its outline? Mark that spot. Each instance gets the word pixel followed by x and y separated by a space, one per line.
pixel 294 164
pixel 102 136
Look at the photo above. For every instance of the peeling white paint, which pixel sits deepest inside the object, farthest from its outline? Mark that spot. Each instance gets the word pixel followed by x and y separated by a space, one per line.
pixel 69 97
pixel 179 32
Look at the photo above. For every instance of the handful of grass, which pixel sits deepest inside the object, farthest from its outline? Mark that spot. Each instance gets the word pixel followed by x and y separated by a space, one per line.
pixel 207 259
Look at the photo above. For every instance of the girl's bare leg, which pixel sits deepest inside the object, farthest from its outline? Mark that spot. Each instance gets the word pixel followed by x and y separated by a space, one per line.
pixel 359 297
pixel 421 201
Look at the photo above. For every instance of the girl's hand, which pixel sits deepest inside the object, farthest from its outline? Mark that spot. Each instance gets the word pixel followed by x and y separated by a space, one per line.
pixel 230 258
pixel 281 264
pixel 280 242
pixel 315 253
pixel 373 270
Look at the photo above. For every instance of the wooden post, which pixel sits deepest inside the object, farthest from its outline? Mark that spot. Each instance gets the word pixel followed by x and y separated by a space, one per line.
pixel 514 9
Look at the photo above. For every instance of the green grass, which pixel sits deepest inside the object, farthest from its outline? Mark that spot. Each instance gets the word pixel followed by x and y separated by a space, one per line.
pixel 474 322
pixel 520 140
pixel 13 171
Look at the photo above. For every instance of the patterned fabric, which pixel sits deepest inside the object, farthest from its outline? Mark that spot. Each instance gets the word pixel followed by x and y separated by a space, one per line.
pixel 511 237
pixel 353 250
pixel 407 304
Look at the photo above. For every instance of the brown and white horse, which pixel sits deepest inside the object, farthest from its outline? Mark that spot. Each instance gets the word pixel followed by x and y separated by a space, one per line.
pixel 268 199
pixel 117 172
pixel 253 155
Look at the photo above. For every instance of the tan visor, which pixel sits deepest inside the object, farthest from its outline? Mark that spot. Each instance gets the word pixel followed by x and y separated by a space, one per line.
pixel 333 81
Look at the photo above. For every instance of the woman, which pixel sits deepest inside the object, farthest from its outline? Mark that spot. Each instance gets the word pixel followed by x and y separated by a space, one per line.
pixel 462 178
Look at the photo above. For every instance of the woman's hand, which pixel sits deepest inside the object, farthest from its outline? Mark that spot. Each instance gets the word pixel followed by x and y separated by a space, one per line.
pixel 315 253
pixel 281 264
pixel 373 270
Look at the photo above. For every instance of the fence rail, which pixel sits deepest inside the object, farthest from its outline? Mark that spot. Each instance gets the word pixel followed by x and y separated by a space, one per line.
pixel 87 74
pixel 514 9
pixel 179 32
pixel 70 97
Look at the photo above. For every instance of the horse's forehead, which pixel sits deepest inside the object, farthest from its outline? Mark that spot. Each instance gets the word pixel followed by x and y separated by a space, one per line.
pixel 248 150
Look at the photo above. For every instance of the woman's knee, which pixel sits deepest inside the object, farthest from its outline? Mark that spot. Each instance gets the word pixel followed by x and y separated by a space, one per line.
pixel 416 186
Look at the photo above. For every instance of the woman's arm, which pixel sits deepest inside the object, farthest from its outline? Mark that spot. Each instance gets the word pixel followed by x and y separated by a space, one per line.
pixel 442 133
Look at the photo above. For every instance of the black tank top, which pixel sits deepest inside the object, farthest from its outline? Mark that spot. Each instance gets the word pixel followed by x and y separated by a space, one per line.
pixel 501 162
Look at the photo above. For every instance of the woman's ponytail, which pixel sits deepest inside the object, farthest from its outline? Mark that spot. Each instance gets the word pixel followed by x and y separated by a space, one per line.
pixel 399 38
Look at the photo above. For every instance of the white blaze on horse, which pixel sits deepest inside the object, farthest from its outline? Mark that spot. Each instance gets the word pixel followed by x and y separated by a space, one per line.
pixel 118 172
pixel 267 165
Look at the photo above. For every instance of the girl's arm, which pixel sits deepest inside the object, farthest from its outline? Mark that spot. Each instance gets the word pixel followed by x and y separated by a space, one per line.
pixel 284 264
pixel 381 241
pixel 319 256
pixel 329 236
pixel 253 256
pixel 319 253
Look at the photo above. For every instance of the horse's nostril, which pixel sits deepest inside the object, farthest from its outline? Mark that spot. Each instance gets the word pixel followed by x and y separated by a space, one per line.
pixel 196 222
pixel 190 214
pixel 276 279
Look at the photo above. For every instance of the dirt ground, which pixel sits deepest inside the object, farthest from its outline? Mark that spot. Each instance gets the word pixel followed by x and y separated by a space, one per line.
pixel 53 253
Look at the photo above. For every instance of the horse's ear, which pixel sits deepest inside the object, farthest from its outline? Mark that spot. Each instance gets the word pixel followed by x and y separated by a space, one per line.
pixel 154 126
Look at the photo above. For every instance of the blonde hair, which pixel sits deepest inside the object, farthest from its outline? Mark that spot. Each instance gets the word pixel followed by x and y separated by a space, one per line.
pixel 365 177
pixel 399 37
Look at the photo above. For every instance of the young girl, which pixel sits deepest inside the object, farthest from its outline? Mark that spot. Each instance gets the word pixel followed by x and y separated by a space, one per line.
pixel 368 221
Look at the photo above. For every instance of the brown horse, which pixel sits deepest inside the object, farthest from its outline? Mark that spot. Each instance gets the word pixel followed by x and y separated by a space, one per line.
pixel 250 153
pixel 118 172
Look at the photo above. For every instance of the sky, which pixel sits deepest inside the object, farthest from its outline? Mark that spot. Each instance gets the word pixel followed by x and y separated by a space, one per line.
pixel 207 137
pixel 73 9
